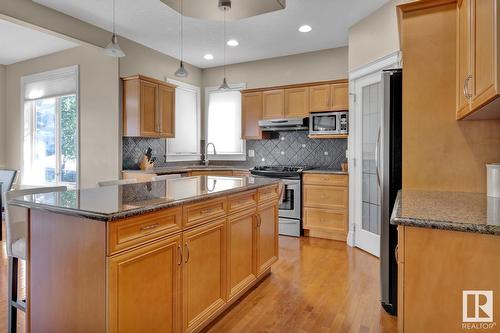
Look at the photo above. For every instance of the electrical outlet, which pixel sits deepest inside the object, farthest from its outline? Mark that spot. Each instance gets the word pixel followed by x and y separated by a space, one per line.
pixel 251 153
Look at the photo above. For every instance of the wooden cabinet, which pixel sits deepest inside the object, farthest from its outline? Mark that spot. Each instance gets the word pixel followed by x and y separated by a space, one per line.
pixel 320 98
pixel 329 97
pixel 325 205
pixel 148 107
pixel 339 96
pixel 297 102
pixel 461 261
pixel 204 273
pixel 144 288
pixel 251 113
pixel 273 104
pixel 267 236
pixel 478 70
pixel 242 251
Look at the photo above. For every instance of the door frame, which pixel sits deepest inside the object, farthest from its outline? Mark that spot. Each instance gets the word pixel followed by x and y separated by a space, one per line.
pixel 391 60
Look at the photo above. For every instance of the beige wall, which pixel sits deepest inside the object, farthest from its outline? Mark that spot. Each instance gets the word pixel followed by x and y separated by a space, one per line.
pixel 143 60
pixel 99 113
pixel 2 115
pixel 375 36
pixel 314 66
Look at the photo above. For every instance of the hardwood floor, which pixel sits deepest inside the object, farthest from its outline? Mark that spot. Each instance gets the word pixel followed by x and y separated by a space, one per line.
pixel 316 286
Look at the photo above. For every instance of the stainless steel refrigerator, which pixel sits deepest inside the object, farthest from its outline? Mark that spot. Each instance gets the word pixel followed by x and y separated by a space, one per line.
pixel 389 173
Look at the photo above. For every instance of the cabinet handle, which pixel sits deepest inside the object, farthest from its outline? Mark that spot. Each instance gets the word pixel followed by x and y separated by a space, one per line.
pixel 179 249
pixel 206 211
pixel 467 95
pixel 396 253
pixel 187 252
pixel 149 227
pixel 259 221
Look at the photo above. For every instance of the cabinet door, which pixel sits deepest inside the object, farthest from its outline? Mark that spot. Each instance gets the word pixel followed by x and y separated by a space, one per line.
pixel 204 273
pixel 297 102
pixel 319 98
pixel 273 104
pixel 339 96
pixel 149 99
pixel 166 110
pixel 267 237
pixel 463 56
pixel 251 113
pixel 241 251
pixel 142 277
pixel 484 51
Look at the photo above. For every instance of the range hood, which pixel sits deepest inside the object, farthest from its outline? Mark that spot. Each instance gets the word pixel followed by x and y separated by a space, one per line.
pixel 290 124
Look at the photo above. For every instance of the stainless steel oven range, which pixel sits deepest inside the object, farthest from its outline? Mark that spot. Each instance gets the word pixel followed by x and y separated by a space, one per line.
pixel 290 211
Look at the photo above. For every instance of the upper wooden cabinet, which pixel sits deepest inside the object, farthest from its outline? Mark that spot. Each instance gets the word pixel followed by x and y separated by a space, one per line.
pixel 297 102
pixel 329 97
pixel 319 98
pixel 251 113
pixel 273 104
pixel 148 107
pixel 339 96
pixel 478 70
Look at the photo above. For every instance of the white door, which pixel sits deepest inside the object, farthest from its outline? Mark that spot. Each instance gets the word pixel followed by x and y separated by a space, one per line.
pixel 367 194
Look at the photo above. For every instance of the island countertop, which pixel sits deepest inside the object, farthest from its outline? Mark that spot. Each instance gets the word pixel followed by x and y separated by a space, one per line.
pixel 111 203
pixel 458 211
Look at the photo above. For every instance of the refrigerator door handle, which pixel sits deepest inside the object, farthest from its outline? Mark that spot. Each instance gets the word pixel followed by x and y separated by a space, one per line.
pixel 377 162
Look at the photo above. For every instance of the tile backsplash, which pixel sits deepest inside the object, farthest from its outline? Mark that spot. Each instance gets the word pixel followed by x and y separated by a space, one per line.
pixel 286 148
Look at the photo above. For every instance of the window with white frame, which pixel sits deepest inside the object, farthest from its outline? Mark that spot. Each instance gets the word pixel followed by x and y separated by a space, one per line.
pixel 50 122
pixel 186 144
pixel 223 123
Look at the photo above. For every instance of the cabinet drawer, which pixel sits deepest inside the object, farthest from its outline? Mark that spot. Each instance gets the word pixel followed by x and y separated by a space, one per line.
pixel 240 173
pixel 268 193
pixel 240 201
pixel 138 230
pixel 325 179
pixel 329 197
pixel 204 211
pixel 326 219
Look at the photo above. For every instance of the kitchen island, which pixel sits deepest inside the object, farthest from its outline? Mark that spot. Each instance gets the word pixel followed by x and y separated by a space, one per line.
pixel 448 252
pixel 163 256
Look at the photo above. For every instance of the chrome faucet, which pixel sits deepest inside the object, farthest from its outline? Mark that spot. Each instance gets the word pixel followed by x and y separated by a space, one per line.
pixel 205 156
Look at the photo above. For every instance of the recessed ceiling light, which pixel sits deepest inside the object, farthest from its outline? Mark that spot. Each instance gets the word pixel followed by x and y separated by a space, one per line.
pixel 305 28
pixel 208 56
pixel 233 42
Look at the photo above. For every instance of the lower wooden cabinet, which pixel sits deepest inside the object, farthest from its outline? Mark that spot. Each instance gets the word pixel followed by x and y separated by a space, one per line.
pixel 325 205
pixel 204 273
pixel 182 281
pixel 242 251
pixel 267 236
pixel 144 288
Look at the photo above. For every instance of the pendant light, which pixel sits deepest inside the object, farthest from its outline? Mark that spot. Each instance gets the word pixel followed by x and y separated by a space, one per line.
pixel 181 72
pixel 224 5
pixel 113 49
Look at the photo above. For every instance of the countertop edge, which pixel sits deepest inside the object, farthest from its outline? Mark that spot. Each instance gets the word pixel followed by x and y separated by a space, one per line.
pixel 138 211
pixel 326 171
pixel 396 219
pixel 167 170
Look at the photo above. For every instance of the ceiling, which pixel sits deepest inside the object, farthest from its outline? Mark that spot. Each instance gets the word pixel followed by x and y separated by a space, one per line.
pixel 156 25
pixel 25 43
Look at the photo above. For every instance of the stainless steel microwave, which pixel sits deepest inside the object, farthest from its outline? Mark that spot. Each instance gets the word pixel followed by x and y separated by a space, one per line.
pixel 329 123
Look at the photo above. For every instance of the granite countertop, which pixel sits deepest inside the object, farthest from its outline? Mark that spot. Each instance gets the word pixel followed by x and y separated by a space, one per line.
pixel 187 168
pixel 324 170
pixel 111 203
pixel 458 211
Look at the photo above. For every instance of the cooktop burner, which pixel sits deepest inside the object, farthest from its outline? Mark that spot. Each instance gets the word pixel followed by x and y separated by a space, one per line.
pixel 277 171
